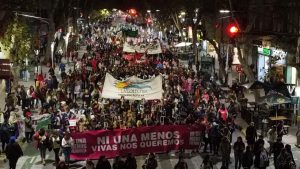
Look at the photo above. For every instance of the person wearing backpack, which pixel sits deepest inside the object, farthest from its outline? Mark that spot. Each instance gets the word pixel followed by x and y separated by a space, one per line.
pixel 261 160
pixel 247 158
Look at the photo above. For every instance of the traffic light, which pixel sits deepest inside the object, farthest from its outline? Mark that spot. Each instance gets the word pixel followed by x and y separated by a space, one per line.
pixel 233 30
pixel 132 12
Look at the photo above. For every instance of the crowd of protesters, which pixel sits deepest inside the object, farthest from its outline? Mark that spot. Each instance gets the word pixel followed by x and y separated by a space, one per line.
pixel 189 97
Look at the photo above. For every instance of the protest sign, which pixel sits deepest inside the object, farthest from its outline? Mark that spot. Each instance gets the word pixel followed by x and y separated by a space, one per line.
pixel 132 88
pixel 138 141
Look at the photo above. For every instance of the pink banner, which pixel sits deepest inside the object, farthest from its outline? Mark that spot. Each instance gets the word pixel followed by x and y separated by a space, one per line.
pixel 138 141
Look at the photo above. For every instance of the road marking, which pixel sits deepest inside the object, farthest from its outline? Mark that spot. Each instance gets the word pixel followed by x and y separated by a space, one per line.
pixel 32 160
pixel 47 156
pixel 22 160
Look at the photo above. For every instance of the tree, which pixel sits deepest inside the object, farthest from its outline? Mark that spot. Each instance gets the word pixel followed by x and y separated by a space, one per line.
pixel 17 40
pixel 51 12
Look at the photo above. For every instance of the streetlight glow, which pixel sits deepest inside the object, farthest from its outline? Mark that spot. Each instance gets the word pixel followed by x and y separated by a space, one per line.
pixel 148 11
pixel 52 53
pixel 224 11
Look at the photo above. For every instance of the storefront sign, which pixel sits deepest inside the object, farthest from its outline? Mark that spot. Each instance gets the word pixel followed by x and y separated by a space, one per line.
pixel 264 51
pixel 138 141
pixel 132 88
pixel 274 52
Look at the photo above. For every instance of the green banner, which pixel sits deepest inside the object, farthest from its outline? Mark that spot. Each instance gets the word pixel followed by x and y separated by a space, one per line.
pixel 43 123
pixel 130 33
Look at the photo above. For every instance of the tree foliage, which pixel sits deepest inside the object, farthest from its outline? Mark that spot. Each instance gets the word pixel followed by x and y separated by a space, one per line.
pixel 17 40
pixel 100 14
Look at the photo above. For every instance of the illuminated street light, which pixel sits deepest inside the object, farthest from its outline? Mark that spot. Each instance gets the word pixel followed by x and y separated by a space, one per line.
pixel 67 41
pixel 157 10
pixel 224 11
pixel 36 51
pixel 52 53
pixel 148 11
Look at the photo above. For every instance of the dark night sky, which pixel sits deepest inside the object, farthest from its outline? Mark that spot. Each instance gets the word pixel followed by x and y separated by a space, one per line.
pixel 127 4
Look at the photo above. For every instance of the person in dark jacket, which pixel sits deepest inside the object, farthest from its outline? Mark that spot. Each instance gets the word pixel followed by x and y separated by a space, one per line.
pixel 289 152
pixel 247 158
pixel 13 152
pixel 215 137
pixel 103 163
pixel 277 147
pixel 207 163
pixel 261 160
pixel 259 141
pixel 150 162
pixel 251 135
pixel 181 164
pixel 284 160
pixel 130 162
pixel 238 148
pixel 118 163
pixel 4 134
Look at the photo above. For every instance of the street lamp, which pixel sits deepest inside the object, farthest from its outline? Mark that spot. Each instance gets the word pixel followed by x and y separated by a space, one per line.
pixel 148 11
pixel 52 53
pixel 67 41
pixel 224 11
pixel 36 51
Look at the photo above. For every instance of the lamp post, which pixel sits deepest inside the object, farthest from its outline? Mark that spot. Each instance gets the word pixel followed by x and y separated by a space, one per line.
pixel 36 51
pixel 52 54
pixel 67 41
